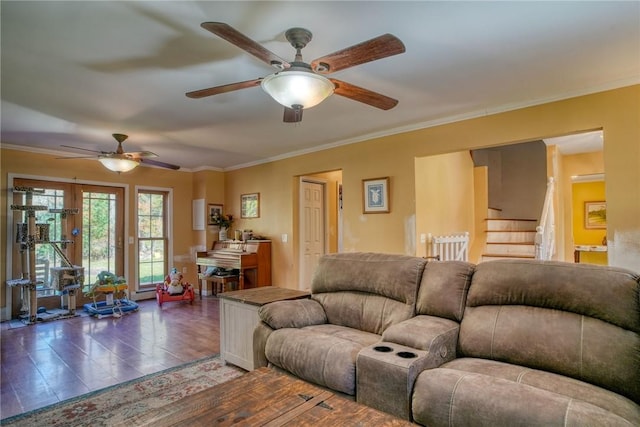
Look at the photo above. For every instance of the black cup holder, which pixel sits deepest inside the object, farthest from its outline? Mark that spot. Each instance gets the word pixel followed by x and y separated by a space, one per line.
pixel 383 348
pixel 406 354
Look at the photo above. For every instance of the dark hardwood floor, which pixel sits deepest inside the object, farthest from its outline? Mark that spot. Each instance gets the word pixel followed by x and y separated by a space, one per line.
pixel 53 361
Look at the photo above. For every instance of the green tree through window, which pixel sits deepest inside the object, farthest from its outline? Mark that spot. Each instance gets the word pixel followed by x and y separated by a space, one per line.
pixel 99 234
pixel 152 237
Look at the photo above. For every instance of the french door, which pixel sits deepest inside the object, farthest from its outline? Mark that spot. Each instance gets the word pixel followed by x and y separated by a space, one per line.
pixel 97 230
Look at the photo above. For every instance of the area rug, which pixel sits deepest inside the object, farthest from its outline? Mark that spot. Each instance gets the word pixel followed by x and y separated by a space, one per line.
pixel 116 404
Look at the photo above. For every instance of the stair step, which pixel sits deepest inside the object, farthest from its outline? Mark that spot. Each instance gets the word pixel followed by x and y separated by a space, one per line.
pixel 519 248
pixel 505 224
pixel 494 212
pixel 505 236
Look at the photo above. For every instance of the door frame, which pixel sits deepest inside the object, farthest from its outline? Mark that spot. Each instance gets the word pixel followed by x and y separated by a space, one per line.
pixel 325 219
pixel 5 312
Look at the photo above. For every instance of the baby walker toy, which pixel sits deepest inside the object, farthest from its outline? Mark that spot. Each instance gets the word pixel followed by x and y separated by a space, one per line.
pixel 110 285
pixel 174 289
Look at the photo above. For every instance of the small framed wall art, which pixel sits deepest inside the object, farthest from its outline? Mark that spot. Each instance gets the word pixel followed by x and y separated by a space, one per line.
pixel 595 215
pixel 375 195
pixel 250 205
pixel 213 211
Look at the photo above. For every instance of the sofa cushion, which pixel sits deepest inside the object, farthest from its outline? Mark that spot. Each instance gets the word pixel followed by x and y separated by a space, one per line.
pixel 390 275
pixel 322 354
pixel 483 392
pixel 606 293
pixel 443 289
pixel 366 312
pixel 575 320
pixel 367 291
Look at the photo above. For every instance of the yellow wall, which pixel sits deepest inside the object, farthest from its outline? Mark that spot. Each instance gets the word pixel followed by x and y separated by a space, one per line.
pixel 617 112
pixel 588 192
pixel 575 165
pixel 208 185
pixel 444 196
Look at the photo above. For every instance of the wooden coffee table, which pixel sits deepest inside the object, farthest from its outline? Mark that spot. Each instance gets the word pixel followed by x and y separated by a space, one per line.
pixel 265 397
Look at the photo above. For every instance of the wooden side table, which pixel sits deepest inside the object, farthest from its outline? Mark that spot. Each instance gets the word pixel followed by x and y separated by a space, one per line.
pixel 239 317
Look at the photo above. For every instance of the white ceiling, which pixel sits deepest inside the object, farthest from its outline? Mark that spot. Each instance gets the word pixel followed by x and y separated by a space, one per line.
pixel 75 72
pixel 586 142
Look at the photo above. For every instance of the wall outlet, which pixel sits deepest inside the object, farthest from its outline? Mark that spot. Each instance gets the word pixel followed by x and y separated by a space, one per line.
pixel 423 238
pixel 285 238
pixel 131 240
pixel 184 270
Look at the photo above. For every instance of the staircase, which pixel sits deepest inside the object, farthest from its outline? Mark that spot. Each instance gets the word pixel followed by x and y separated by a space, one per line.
pixel 509 238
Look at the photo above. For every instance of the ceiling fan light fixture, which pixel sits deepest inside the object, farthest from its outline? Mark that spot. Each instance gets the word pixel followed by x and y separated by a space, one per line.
pixel 119 164
pixel 297 87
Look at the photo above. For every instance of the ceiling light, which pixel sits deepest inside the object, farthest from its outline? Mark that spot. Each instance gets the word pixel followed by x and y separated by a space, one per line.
pixel 297 87
pixel 119 164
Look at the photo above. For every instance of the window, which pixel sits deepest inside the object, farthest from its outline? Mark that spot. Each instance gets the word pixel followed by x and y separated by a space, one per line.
pixel 152 237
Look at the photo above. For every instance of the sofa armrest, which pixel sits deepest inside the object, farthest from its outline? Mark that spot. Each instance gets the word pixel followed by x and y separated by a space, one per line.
pixel 436 335
pixel 260 335
pixel 292 314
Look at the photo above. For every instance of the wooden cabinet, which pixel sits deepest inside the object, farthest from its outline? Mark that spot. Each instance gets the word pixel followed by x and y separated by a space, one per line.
pixel 239 317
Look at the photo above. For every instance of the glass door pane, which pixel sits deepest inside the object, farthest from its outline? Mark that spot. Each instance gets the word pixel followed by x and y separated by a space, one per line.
pixel 99 234
pixel 102 232
pixel 53 195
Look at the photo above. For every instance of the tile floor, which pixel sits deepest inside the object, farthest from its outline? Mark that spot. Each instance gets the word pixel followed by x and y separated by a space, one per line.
pixel 52 361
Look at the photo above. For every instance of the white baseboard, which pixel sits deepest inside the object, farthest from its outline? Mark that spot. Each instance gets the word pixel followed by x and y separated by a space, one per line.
pixel 139 296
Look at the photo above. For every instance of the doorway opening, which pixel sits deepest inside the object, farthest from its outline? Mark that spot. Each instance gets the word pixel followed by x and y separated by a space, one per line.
pixel 462 189
pixel 319 221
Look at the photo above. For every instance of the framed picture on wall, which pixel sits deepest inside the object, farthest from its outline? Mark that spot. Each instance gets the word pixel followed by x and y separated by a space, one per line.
pixel 213 211
pixel 375 195
pixel 250 205
pixel 595 215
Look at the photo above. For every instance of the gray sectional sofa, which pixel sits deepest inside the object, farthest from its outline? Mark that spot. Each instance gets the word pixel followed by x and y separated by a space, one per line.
pixel 456 344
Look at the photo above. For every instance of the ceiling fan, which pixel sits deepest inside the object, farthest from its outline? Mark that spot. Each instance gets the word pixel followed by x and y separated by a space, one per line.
pixel 298 85
pixel 119 161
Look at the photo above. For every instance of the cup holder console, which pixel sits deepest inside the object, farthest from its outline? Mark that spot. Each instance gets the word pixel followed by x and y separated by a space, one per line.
pixel 385 366
pixel 387 349
pixel 407 354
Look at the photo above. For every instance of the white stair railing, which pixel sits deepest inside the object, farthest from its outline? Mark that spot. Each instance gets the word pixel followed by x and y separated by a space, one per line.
pixel 545 235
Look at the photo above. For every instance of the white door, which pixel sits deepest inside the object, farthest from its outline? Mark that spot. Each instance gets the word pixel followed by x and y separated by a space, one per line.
pixel 312 229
